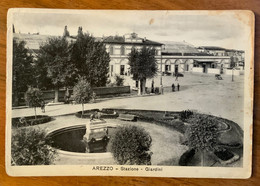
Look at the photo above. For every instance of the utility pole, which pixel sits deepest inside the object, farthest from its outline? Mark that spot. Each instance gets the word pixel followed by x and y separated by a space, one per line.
pixel 161 68
pixel 232 74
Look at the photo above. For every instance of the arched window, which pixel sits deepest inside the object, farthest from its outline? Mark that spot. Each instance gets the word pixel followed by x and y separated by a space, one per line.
pixel 122 50
pixel 213 65
pixel 111 50
pixel 167 66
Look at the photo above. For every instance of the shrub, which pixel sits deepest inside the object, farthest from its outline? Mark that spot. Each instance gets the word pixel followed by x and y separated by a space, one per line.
pixel 202 134
pixel 119 80
pixel 31 147
pixel 130 145
pixel 185 114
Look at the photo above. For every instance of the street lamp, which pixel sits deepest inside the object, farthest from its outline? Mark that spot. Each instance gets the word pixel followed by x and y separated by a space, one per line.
pixel 161 68
pixel 233 74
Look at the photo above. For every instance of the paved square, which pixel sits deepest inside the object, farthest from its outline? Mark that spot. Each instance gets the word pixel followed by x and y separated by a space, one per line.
pixel 201 92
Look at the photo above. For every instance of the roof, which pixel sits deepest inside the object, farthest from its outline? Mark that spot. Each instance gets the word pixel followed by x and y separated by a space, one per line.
pixel 179 47
pixel 205 60
pixel 131 40
pixel 211 48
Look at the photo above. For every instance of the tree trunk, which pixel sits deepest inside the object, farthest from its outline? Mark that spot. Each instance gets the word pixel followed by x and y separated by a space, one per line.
pixel 82 112
pixel 143 86
pixel 56 99
pixel 35 113
pixel 139 87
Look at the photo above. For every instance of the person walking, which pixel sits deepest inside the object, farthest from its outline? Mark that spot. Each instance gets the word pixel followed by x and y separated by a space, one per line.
pixel 43 106
pixel 173 87
pixel 178 87
pixel 176 79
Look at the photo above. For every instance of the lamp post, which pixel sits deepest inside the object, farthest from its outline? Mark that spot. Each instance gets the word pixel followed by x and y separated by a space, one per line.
pixel 161 68
pixel 232 74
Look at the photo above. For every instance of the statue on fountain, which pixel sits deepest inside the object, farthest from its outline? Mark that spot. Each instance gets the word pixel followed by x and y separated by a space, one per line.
pixel 96 137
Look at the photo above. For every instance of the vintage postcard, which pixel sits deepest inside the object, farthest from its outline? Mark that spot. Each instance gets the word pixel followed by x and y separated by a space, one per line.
pixel 129 93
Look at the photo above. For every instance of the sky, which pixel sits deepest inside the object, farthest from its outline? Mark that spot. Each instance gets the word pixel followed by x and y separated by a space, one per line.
pixel 197 28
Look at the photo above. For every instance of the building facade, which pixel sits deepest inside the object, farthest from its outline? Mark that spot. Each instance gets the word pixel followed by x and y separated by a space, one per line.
pixel 172 57
pixel 119 48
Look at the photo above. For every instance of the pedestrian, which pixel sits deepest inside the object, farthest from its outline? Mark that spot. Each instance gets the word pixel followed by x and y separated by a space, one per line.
pixel 173 87
pixel 178 87
pixel 43 106
pixel 176 79
pixel 152 88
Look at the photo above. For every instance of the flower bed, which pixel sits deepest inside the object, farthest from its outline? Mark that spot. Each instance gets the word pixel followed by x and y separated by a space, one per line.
pixel 104 114
pixel 30 120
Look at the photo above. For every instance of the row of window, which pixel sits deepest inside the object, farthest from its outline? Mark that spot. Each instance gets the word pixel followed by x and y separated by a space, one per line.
pixel 122 50
pixel 122 70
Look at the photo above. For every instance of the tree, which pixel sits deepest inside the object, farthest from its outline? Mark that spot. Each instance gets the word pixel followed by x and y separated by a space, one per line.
pixel 91 59
pixel 54 57
pixel 202 135
pixel 31 146
pixel 119 81
pixel 33 97
pixel 233 61
pixel 143 66
pixel 130 145
pixel 22 69
pixel 82 93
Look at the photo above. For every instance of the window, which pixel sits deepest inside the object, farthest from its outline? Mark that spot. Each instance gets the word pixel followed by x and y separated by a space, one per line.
pixel 122 50
pixel 122 69
pixel 111 50
pixel 195 64
pixel 167 68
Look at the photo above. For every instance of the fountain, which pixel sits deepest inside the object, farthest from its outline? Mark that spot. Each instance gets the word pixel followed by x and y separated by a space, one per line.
pixel 96 137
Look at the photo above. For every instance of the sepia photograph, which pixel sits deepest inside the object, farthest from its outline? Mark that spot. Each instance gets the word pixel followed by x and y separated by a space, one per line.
pixel 129 93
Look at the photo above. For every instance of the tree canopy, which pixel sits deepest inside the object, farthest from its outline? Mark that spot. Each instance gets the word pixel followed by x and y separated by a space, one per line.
pixel 22 67
pixel 82 92
pixel 143 65
pixel 91 59
pixel 65 62
pixel 23 70
pixel 55 54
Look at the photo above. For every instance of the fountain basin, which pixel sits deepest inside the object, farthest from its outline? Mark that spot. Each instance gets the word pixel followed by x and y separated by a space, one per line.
pixel 71 139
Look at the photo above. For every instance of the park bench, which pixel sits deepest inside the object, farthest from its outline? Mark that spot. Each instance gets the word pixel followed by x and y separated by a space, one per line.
pixel 127 117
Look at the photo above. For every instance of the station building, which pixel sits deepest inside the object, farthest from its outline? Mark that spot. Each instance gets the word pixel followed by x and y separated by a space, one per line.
pixel 172 57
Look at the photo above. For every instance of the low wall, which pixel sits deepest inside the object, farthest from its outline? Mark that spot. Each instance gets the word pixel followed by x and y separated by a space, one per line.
pixel 100 91
pixel 213 71
pixel 235 72
pixel 197 69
